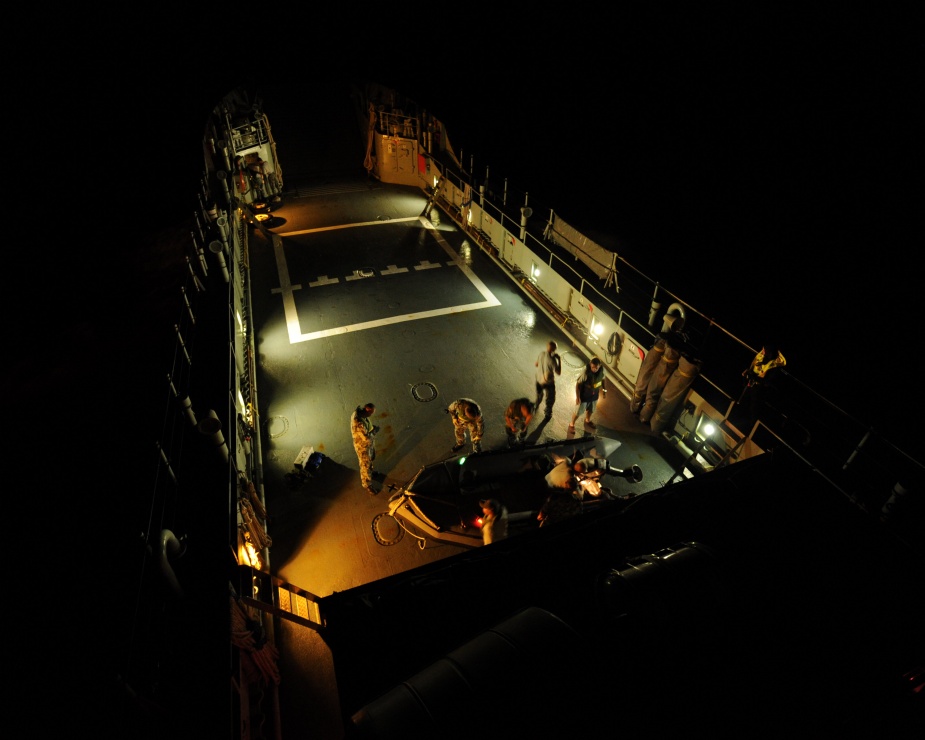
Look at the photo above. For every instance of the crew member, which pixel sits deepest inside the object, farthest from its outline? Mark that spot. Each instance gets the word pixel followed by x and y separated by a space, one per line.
pixel 364 442
pixel 494 520
pixel 562 477
pixel 587 390
pixel 548 366
pixel 467 417
pixel 517 418
pixel 760 379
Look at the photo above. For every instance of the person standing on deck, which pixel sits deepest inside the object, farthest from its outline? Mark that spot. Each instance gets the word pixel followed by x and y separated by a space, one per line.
pixel 548 366
pixel 517 418
pixel 364 442
pixel 494 520
pixel 466 416
pixel 587 390
pixel 760 380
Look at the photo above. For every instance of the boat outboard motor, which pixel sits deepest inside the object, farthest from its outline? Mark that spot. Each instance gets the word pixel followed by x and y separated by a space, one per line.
pixel 633 473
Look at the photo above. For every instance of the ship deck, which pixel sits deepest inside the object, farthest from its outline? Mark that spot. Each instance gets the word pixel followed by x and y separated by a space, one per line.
pixel 357 299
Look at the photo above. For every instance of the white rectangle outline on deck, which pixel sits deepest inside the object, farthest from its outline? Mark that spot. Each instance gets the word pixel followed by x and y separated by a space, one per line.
pixel 291 313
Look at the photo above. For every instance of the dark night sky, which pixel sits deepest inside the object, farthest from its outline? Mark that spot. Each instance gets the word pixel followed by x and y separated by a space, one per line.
pixel 758 162
pixel 758 166
pixel 764 164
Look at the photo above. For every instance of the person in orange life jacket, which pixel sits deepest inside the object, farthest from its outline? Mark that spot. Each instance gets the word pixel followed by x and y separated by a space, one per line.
pixel 587 390
pixel 517 419
pixel 591 469
pixel 466 415
pixel 760 380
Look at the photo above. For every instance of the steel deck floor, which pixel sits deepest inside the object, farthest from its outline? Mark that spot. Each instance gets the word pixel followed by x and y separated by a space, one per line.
pixel 436 320
pixel 356 299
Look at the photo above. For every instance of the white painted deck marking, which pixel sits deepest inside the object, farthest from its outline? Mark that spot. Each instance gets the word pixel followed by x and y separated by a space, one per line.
pixel 285 287
pixel 350 226
pixel 360 275
pixel 323 280
pixel 291 313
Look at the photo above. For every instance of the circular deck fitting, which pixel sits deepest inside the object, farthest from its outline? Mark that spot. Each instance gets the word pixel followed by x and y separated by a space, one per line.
pixel 386 530
pixel 277 426
pixel 424 392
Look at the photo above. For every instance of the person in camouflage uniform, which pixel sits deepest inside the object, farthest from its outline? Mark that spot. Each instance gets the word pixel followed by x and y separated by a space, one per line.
pixel 364 442
pixel 466 415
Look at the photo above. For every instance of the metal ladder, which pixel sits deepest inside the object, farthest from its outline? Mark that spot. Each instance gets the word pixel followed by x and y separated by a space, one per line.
pixel 726 457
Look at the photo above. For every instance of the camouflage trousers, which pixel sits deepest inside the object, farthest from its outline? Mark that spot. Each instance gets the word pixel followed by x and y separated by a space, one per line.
pixel 475 429
pixel 366 453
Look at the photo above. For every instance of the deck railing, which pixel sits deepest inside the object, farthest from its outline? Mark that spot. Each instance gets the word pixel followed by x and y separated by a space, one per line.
pixel 597 296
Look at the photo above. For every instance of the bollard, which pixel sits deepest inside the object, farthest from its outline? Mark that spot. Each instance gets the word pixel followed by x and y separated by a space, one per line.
pixel 525 213
pixel 169 548
pixel 224 149
pixel 187 407
pixel 211 427
pixel 889 508
pixel 223 179
pixel 215 246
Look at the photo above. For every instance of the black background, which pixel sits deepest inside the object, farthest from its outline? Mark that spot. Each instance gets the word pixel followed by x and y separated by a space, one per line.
pixel 764 164
pixel 759 163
